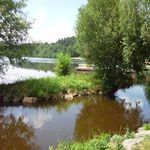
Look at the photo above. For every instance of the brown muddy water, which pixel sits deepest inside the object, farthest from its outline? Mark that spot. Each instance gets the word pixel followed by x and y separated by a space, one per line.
pixel 36 127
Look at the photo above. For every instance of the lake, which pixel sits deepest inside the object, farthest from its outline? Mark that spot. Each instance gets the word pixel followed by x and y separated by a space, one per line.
pixel 40 125
pixel 34 68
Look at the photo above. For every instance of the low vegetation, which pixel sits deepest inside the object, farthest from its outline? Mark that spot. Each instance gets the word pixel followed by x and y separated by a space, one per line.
pixel 146 126
pixel 45 87
pixel 97 143
pixel 144 145
pixel 63 65
pixel 102 142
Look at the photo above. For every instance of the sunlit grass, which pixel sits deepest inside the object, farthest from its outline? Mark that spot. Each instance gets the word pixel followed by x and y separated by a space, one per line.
pixel 48 86
pixel 146 126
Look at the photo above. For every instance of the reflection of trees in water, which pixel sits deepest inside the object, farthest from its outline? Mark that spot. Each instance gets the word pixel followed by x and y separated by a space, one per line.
pixel 41 66
pixel 103 115
pixel 38 66
pixel 147 86
pixel 15 134
pixel 147 91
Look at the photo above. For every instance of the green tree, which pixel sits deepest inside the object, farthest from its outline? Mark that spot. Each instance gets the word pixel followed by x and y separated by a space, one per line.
pixel 109 35
pixel 13 30
pixel 135 30
pixel 67 45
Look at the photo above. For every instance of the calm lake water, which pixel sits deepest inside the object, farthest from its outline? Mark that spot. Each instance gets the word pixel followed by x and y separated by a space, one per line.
pixel 38 126
pixel 33 68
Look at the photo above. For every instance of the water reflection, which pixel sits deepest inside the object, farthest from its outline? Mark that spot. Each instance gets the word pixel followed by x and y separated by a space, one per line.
pixel 15 134
pixel 103 115
pixel 81 118
pixel 147 86
pixel 14 74
pixel 36 119
pixel 135 97
pixel 38 66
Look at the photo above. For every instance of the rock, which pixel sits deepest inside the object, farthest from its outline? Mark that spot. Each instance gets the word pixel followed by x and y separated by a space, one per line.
pixel 142 133
pixel 129 143
pixel 68 97
pixel 75 94
pixel 92 91
pixel 100 93
pixel 29 99
pixel 68 91
pixel 140 129
pixel 5 99
pixel 84 92
pixel 53 97
pixel 17 99
pixel 61 95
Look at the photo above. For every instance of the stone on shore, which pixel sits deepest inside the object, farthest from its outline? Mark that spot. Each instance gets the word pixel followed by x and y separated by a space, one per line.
pixel 17 99
pixel 129 143
pixel 68 97
pixel 30 100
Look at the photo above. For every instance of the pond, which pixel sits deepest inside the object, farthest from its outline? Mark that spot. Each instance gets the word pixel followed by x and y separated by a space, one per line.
pixel 40 125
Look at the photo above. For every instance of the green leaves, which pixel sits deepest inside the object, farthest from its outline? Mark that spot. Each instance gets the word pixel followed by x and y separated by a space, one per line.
pixel 63 66
pixel 114 36
pixel 13 28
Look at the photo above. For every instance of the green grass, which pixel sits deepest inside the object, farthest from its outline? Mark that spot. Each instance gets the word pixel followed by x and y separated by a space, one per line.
pixel 102 142
pixel 45 87
pixel 144 145
pixel 97 143
pixel 146 126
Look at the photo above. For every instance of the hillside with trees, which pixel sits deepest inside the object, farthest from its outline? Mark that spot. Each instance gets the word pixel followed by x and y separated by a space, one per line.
pixel 66 45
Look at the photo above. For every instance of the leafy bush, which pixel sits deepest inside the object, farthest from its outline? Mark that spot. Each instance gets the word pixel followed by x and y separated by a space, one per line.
pixel 97 143
pixel 129 134
pixel 146 126
pixel 116 142
pixel 63 66
pixel 45 87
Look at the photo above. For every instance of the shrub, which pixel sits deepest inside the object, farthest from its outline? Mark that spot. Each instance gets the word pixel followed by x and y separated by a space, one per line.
pixel 63 66
pixel 129 134
pixel 146 126
pixel 97 143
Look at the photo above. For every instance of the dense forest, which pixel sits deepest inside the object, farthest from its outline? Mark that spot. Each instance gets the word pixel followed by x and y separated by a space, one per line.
pixel 66 45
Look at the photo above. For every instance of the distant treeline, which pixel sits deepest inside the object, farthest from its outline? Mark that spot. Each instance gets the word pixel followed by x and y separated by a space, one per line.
pixel 67 45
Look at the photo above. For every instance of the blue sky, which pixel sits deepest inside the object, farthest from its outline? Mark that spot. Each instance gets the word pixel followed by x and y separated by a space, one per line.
pixel 53 19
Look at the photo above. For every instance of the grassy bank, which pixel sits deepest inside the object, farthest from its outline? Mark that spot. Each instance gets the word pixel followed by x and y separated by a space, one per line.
pixel 49 86
pixel 108 142
pixel 102 142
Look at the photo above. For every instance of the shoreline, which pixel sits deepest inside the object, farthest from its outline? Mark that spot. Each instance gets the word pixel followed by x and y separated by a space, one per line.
pixel 49 89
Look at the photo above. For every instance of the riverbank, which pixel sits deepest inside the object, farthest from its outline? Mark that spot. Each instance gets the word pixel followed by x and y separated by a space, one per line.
pixel 49 88
pixel 129 141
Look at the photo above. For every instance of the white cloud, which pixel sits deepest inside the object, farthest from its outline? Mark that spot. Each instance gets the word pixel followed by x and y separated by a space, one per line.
pixel 48 30
pixel 37 119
